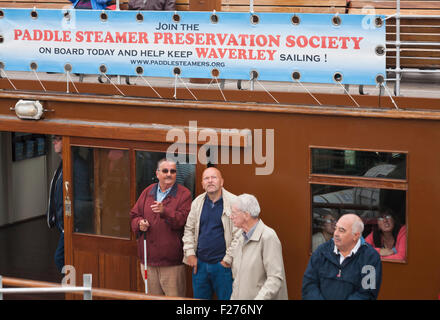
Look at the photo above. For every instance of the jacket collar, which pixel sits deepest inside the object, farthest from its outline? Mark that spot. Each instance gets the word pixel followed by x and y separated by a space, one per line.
pixel 173 191
pixel 332 256
pixel 226 201
pixel 256 235
pixel 355 248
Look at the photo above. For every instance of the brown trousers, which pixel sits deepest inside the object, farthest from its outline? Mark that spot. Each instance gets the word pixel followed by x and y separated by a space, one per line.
pixel 168 281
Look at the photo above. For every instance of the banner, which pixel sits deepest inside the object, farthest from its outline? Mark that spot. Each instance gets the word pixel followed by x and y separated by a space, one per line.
pixel 320 48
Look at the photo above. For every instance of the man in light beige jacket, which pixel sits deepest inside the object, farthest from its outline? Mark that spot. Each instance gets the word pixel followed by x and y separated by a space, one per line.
pixel 210 238
pixel 257 267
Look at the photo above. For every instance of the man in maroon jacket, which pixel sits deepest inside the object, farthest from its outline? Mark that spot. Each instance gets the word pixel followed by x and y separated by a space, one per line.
pixel 161 212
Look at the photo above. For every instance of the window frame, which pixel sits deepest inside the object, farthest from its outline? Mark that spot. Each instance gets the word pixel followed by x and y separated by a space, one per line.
pixel 127 145
pixel 356 181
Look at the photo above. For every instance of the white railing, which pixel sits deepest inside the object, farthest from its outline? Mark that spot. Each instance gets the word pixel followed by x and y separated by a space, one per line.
pixel 398 70
pixel 86 288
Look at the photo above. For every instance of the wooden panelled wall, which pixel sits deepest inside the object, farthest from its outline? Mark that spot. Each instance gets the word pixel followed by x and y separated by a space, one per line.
pixel 422 7
pixel 412 30
pixel 410 130
pixel 320 6
pixel 299 6
pixel 181 5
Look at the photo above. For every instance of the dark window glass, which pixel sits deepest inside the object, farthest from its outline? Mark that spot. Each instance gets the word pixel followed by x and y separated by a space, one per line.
pixel 359 163
pixel 101 191
pixel 146 165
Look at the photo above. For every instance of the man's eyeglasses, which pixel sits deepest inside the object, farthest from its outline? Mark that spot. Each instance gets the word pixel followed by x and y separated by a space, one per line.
pixel 381 218
pixel 165 171
pixel 329 221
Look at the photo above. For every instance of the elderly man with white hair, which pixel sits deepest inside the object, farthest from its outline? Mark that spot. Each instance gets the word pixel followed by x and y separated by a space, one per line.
pixel 345 267
pixel 257 266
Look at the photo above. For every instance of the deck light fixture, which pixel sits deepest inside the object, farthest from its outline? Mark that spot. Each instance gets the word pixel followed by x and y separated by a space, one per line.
pixel 29 109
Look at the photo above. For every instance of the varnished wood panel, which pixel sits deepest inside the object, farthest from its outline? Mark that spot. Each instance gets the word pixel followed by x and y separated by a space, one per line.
pixel 422 4
pixel 285 9
pixel 86 262
pixel 285 195
pixel 116 271
pixel 392 11
pixel 293 3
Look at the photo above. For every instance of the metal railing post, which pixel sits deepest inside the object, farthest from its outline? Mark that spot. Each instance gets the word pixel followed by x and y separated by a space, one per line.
pixel 1 287
pixel 87 283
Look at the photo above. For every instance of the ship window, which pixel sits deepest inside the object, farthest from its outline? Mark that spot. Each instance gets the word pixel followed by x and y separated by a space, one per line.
pixel 101 187
pixel 146 165
pixel 388 165
pixel 101 191
pixel 342 189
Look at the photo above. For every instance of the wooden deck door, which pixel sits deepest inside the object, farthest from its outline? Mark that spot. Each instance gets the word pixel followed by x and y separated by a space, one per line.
pixel 103 179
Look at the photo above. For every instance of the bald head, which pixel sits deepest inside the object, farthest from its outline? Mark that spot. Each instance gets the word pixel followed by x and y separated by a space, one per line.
pixel 212 170
pixel 357 226
pixel 348 231
pixel 212 183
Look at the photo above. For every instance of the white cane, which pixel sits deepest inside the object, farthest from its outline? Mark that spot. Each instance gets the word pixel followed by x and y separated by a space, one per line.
pixel 145 262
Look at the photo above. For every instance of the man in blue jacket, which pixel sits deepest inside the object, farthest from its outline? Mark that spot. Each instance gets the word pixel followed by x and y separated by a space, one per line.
pixel 345 267
pixel 55 209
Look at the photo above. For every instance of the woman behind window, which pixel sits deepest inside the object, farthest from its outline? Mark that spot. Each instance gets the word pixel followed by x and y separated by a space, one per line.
pixel 389 236
pixel 328 226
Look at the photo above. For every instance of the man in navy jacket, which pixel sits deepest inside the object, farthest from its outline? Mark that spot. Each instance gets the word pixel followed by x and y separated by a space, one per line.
pixel 345 267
